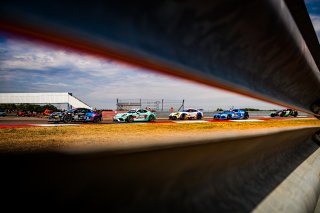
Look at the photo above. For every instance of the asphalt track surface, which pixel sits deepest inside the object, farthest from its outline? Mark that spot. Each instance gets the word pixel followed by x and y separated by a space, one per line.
pixel 16 122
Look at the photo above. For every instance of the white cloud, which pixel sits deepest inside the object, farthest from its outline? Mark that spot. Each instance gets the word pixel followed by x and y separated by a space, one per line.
pixel 36 68
pixel 51 84
pixel 28 55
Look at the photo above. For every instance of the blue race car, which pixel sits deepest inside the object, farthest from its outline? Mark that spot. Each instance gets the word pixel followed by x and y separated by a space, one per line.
pixel 231 115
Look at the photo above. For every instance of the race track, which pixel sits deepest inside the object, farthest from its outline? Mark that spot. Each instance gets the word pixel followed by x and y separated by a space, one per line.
pixel 18 122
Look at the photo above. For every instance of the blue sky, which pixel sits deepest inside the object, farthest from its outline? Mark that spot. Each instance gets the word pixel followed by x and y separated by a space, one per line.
pixel 26 66
pixel 313 7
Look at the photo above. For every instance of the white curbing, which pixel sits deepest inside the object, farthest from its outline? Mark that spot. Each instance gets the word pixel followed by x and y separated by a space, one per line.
pixel 49 125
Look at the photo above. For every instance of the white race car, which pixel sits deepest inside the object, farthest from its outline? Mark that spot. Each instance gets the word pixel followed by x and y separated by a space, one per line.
pixel 187 114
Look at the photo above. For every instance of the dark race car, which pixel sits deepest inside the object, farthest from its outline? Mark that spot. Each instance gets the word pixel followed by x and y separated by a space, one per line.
pixel 285 113
pixel 75 115
pixel 3 113
pixel 24 113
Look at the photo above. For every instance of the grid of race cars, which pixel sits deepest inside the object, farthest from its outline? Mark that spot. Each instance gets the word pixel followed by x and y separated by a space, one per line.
pixel 86 115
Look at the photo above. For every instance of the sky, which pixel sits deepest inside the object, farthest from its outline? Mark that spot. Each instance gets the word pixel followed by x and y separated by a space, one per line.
pixel 313 7
pixel 26 66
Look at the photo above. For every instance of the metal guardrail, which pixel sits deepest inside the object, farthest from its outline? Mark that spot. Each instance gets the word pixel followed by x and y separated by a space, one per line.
pixel 252 48
pixel 233 174
pixel 260 49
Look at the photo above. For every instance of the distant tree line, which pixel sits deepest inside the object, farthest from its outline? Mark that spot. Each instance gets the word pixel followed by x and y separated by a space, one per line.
pixel 27 107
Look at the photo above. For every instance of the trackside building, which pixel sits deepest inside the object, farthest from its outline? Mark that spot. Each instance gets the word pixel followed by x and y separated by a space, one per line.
pixel 43 98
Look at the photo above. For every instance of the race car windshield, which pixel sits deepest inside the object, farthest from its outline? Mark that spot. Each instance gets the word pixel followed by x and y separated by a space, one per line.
pixel 131 111
pixel 70 110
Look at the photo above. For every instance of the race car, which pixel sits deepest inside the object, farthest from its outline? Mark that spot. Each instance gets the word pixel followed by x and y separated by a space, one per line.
pixel 187 114
pixel 24 113
pixel 231 114
pixel 285 113
pixel 135 115
pixel 75 115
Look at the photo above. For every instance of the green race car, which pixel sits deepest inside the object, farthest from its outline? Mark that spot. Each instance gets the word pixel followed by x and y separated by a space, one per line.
pixel 135 115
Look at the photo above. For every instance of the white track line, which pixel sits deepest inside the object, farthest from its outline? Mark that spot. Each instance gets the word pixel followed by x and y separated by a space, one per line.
pixel 183 122
pixel 251 120
pixel 48 125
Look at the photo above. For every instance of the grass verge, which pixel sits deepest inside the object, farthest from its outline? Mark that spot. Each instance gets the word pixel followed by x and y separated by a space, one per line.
pixel 114 135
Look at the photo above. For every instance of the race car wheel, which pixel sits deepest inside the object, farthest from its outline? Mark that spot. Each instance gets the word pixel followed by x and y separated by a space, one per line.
pixel 246 115
pixel 151 118
pixel 96 119
pixel 67 119
pixel 130 119
pixel 229 117
pixel 199 117
pixel 182 116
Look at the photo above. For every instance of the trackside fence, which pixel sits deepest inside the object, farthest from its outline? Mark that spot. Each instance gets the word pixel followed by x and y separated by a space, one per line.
pixel 158 105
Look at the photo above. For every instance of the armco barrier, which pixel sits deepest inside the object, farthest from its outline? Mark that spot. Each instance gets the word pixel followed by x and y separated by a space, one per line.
pixel 264 49
pixel 212 175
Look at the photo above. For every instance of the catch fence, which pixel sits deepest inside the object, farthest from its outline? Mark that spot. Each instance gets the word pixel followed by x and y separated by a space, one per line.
pixel 159 105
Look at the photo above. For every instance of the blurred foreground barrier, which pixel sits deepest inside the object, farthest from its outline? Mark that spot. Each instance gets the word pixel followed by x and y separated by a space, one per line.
pixel 264 49
pixel 213 175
